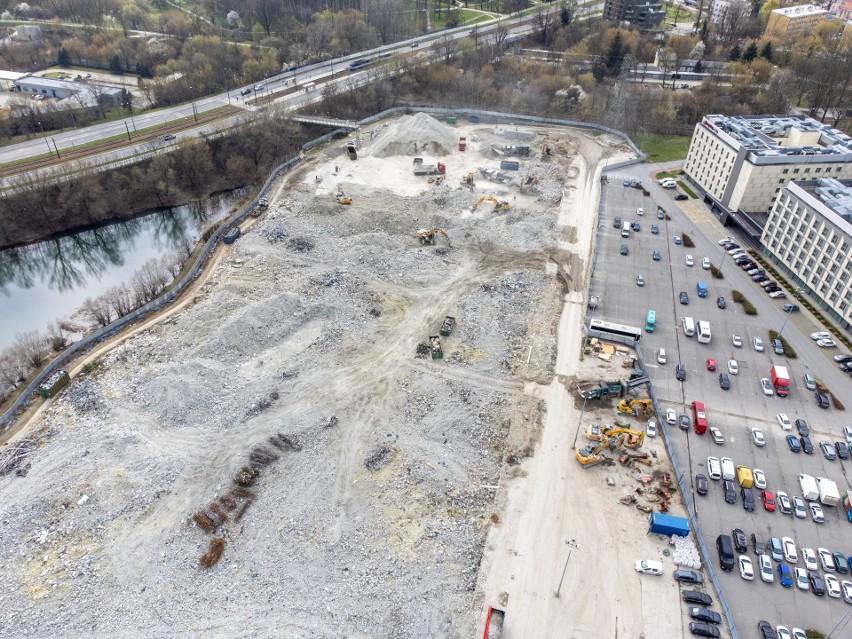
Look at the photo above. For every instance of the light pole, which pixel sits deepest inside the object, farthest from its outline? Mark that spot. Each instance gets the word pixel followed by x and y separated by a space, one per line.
pixel 790 310
pixel 45 138
pixel 572 545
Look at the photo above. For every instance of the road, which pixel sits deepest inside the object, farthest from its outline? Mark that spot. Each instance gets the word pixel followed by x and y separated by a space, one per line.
pixel 735 411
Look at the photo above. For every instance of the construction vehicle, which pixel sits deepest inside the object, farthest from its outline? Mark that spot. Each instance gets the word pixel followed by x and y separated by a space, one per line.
pixel 499 205
pixel 262 203
pixel 447 326
pixel 595 433
pixel 529 183
pixel 494 176
pixel 632 438
pixel 467 180
pixel 435 343
pixel 462 143
pixel 510 149
pixel 546 150
pixel 428 169
pixel 603 389
pixel 494 624
pixel 342 198
pixel 588 455
pixel 628 459
pixel 352 150
pixel 428 236
pixel 635 407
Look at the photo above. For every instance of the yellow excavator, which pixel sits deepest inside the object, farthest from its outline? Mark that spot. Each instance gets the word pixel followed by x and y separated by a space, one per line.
pixel 632 438
pixel 499 205
pixel 342 198
pixel 428 236
pixel 637 406
pixel 588 455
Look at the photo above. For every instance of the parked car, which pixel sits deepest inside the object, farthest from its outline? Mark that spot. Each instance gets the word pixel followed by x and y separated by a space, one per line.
pixel 703 614
pixel 827 450
pixel 702 629
pixel 779 294
pixel 783 421
pixel 649 567
pixel 730 492
pixel 701 484
pixel 746 567
pixel 842 449
pixel 768 501
pixel 655 229
pixel 817 584
pixel 640 281
pixel 820 335
pixel 783 502
pixel 832 586
pixel 680 372
pixel 681 196
pixel 710 363
pixel 695 597
pixel 758 344
pixel 799 507
pixel 689 260
pixel 717 436
pixel 826 343
pixel 677 239
pixel 624 249
pixel 739 539
pixel 801 578
pixel 826 559
pixel 765 630
pixel 671 416
pixel 684 298
pixel 655 256
pixel 793 443
pixel 790 553
pixel 822 399
pixel 764 567
pixel 816 513
pixel 759 478
pixel 775 549
pixel 809 558
pixel 777 347
pixel 683 421
pixel 720 302
pixel 705 263
pixel 840 563
pixel 737 341
pixel 616 223
pixel 688 577
pixel 790 308
pixel 748 499
pixel 807 446
pixel 785 577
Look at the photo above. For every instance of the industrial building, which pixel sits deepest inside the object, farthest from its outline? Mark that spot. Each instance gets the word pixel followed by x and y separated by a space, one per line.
pixel 809 236
pixel 88 94
pixel 645 14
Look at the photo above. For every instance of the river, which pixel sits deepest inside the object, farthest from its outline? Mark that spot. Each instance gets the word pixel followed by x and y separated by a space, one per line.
pixel 48 281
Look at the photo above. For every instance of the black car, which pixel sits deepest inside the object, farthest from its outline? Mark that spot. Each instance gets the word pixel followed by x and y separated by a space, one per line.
pixel 724 381
pixel 817 584
pixel 720 302
pixel 802 427
pixel 758 544
pixel 680 372
pixel 807 446
pixel 688 577
pixel 759 278
pixel 822 399
pixel 701 629
pixel 777 347
pixel 680 196
pixel 730 492
pixel 695 597
pixel 684 298
pixel 683 421
pixel 846 366
pixel 740 541
pixel 624 249
pixel 245 91
pixel 842 450
pixel 766 631
pixel 748 499
pixel 616 223
pixel 701 484
pixel 702 614
pixel 636 227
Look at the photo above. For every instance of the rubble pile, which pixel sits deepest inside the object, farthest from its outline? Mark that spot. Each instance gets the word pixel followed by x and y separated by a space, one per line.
pixel 413 135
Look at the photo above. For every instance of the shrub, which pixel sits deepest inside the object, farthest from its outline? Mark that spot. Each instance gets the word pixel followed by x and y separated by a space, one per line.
pixel 687 241
pixel 837 404
pixel 716 273
pixel 214 552
pixel 749 309
pixel 738 297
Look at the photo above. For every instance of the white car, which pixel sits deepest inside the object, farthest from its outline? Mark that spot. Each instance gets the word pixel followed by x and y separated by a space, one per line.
pixel 689 260
pixel 651 428
pixel 736 340
pixel 705 263
pixel 746 568
pixel 764 566
pixel 783 632
pixel 259 87
pixel 846 587
pixel 759 479
pixel 777 295
pixel 671 416
pixel 758 344
pixel 784 421
pixel 820 335
pixel 832 586
pixel 826 559
pixel 733 367
pixel 714 468
pixel 649 567
pixel 799 507
pixel 783 501
pixel 798 633
pixel 725 240
pixel 717 436
pixel 810 559
pixel 640 211
pixel 766 385
pixel 790 553
pixel 816 512
pixel 801 576
pixel 826 343
pixel 758 438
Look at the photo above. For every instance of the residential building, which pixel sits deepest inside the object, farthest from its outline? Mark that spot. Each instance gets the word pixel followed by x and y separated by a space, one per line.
pixel 729 10
pixel 645 14
pixel 740 163
pixel 842 9
pixel 809 235
pixel 794 23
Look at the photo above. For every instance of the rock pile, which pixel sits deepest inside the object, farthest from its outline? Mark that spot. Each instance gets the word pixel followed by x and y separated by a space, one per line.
pixel 413 135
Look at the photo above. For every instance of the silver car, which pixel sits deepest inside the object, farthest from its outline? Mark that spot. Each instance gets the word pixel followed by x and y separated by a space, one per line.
pixel 816 512
pixel 799 507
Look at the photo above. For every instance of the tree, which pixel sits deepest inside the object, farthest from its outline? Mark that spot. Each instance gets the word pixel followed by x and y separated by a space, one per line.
pixel 57 336
pixel 736 53
pixel 32 345
pixel 766 51
pixel 545 25
pixel 698 68
pixel 615 54
pixel 751 53
pixel 63 58
pixel 566 12
pixel 115 65
pixel 98 310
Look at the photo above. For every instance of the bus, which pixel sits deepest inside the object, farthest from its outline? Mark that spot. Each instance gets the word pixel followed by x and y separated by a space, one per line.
pixel 650 321
pixel 610 329
pixel 699 418
pixel 703 332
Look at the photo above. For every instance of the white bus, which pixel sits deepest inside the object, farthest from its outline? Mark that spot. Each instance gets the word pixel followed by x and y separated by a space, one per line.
pixel 688 326
pixel 703 332
pixel 611 329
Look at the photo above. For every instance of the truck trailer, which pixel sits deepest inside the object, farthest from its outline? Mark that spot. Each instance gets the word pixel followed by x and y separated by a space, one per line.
pixel 663 524
pixel 828 494
pixel 780 380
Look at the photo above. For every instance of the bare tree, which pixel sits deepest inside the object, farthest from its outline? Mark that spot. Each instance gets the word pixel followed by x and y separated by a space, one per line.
pixel 31 344
pixel 98 309
pixel 446 47
pixel 12 367
pixel 120 299
pixel 545 25
pixel 57 336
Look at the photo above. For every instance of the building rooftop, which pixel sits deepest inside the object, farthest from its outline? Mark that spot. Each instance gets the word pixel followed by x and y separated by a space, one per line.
pixel 802 10
pixel 836 195
pixel 785 135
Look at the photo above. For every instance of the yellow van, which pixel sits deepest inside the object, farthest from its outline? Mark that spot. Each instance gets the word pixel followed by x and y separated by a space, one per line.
pixel 745 477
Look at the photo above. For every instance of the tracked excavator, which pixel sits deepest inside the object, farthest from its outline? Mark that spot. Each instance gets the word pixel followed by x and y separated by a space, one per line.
pixel 636 407
pixel 499 205
pixel 342 198
pixel 630 438
pixel 428 236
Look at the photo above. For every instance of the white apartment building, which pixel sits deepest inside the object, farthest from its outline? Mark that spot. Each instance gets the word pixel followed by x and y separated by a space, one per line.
pixel 741 163
pixel 809 234
pixel 731 10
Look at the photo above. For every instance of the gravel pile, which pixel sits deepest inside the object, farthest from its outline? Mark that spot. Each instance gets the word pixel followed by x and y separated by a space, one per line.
pixel 413 135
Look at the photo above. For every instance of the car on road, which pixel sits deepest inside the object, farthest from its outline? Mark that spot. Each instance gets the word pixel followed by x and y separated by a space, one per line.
pixel 245 91
pixel 766 386
pixel 677 240
pixel 730 492
pixel 689 260
pixel 740 541
pixel 169 137
pixel 661 214
pixel 748 499
pixel 832 586
pixel 759 478
pixel 817 584
pixel 840 359
pixel 671 416
pixel 414 45
pixel 757 343
pixel 624 249
pixel 655 256
pixel 764 567
pixel 724 381
pixel 736 340
pixel 816 512
pixel 717 436
pixel 725 240
pixel 684 298
pixel 807 446
pixel 681 196
pixel 710 363
pixel 758 438
pixel 785 577
pixel 705 263
pixel 259 87
pixel 765 630
pixel 827 450
pixel 790 553
pixel 688 577
pixel 768 500
pixel 701 484
pixel 793 443
pixel 720 302
pixel 820 335
pixel 826 559
pixel 640 211
pixel 683 421
pixel 822 399
pixel 809 558
pixel 640 281
pixel 702 629
pixel 790 308
pixel 784 421
pixel 783 502
pixel 746 567
pixel 649 567
pixel 636 226
pixel 826 343
pixel 801 576
pixel 616 223
pixel 842 449
pixel 799 507
pixel 695 597
pixel 802 427
pixel 733 367
pixel 680 372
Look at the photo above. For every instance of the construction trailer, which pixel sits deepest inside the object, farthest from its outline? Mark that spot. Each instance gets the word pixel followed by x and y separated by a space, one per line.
pixel 663 524
pixel 54 384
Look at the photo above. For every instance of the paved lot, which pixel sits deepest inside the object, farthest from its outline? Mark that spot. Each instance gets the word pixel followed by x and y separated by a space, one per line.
pixel 744 405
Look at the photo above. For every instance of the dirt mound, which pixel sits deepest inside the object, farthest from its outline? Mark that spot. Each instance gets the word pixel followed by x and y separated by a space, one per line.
pixel 413 134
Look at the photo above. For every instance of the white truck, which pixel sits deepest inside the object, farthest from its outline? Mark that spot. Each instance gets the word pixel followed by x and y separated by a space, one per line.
pixel 828 493
pixel 809 487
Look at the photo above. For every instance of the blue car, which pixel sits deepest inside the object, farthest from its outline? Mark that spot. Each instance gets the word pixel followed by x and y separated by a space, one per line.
pixel 794 444
pixel 656 256
pixel 784 576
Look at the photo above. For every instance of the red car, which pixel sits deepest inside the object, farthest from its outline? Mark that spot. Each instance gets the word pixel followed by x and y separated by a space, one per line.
pixel 711 364
pixel 768 500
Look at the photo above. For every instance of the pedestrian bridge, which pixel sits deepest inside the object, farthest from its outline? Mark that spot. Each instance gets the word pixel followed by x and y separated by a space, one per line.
pixel 329 122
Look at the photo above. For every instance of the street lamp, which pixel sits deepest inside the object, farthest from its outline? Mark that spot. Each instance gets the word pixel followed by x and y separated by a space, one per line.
pixel 572 545
pixel 45 138
pixel 790 310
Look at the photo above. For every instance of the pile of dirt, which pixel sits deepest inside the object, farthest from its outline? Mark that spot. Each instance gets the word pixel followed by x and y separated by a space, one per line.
pixel 412 135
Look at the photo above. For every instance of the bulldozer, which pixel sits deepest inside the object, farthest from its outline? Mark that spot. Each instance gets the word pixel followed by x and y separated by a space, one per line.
pixel 342 198
pixel 499 205
pixel 636 407
pixel 428 236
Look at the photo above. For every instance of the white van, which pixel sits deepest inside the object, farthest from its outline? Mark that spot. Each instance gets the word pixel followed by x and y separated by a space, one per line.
pixel 688 326
pixel 625 229
pixel 668 183
pixel 714 470
pixel 728 471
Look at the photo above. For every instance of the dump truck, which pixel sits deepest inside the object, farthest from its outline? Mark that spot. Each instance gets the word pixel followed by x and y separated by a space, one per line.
pixel 603 389
pixel 447 326
pixel 428 169
pixel 53 384
pixel 462 143
pixel 828 494
pixel 494 623
pixel 780 380
pixel 231 236
pixel 847 505
pixel 663 524
pixel 435 343
pixel 352 150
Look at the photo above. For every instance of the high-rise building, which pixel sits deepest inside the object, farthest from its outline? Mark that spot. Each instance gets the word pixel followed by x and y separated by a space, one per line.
pixel 642 13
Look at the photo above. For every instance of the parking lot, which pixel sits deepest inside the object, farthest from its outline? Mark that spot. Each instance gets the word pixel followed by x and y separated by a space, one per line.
pixel 734 411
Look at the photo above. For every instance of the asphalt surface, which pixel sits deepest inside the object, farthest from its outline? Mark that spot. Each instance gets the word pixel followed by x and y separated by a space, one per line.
pixel 742 407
